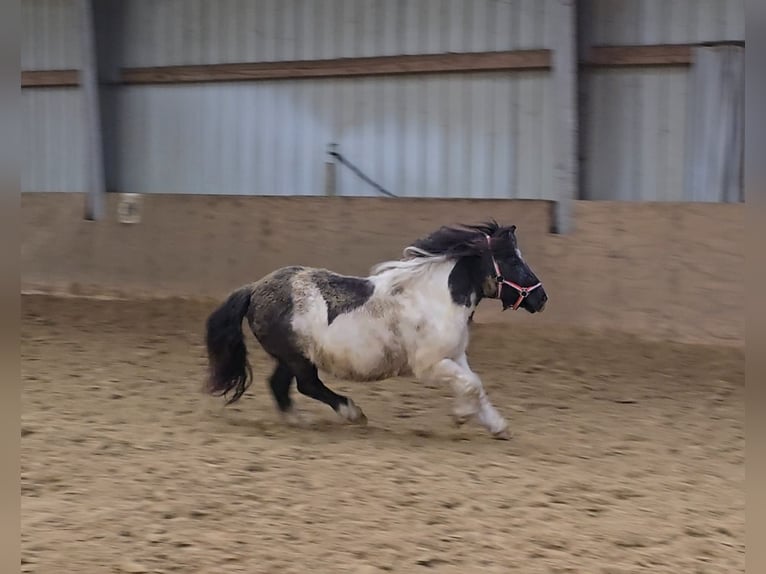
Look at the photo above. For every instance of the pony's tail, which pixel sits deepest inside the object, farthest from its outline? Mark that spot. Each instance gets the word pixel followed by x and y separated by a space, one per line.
pixel 229 368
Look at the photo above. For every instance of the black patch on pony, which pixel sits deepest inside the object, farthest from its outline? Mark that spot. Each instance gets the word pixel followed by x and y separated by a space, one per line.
pixel 271 314
pixel 468 244
pixel 342 294
pixel 464 282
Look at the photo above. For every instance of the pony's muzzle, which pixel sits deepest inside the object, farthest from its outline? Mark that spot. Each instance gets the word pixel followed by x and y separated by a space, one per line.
pixel 543 301
pixel 535 301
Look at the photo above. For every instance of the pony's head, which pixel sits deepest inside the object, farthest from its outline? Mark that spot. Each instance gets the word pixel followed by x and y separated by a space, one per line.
pixel 516 285
pixel 493 261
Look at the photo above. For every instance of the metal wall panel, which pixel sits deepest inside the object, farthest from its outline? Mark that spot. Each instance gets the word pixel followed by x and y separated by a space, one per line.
pixel 457 135
pixel 440 135
pixel 50 38
pixel 628 22
pixel 637 129
pixel 716 125
pixel 53 136
pixel 467 135
pixel 176 32
pixel 53 120
pixel 636 135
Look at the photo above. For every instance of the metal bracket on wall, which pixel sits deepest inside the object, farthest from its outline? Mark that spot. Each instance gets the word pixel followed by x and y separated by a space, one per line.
pixel 129 208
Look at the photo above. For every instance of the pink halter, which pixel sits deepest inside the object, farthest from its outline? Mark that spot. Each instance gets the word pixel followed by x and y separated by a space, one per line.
pixel 522 291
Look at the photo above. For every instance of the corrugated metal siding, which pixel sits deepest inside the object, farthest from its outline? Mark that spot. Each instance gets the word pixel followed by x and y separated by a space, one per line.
pixel 467 135
pixel 637 121
pixel 55 157
pixel 716 125
pixel 636 135
pixel 628 22
pixel 441 135
pixel 176 32
pixel 50 38
pixel 53 122
pixel 457 135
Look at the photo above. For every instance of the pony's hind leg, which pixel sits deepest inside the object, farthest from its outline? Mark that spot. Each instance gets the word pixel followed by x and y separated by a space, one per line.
pixel 279 382
pixel 310 385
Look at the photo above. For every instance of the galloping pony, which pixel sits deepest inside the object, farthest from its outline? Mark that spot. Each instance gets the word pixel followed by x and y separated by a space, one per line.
pixel 409 317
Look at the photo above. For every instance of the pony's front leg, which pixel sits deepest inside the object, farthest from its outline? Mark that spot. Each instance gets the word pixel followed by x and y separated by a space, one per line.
pixel 487 414
pixel 471 400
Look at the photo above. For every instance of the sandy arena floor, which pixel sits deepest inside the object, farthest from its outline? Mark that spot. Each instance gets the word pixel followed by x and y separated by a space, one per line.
pixel 626 457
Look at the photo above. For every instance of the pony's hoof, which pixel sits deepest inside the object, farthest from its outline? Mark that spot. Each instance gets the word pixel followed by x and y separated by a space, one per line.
pixel 294 419
pixel 352 413
pixel 504 434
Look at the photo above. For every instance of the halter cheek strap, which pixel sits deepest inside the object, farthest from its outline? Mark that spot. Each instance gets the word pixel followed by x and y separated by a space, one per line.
pixel 500 280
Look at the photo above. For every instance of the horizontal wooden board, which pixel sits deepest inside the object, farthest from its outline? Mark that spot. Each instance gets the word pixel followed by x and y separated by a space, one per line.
pixel 657 55
pixel 49 78
pixel 343 67
pixel 597 56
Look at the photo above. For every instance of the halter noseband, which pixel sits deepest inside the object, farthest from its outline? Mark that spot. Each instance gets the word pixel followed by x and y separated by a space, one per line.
pixel 522 291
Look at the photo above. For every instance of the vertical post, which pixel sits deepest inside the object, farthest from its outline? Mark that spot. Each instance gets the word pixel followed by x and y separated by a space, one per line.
pixel 584 40
pixel 331 171
pixel 109 36
pixel 95 201
pixel 565 123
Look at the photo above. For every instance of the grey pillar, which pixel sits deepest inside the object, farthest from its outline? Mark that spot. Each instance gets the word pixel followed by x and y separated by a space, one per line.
pixel 565 123
pixel 95 201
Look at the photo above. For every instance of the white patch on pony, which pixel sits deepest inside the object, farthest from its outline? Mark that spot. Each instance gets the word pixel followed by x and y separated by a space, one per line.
pixel 431 325
pixel 361 345
pixel 518 254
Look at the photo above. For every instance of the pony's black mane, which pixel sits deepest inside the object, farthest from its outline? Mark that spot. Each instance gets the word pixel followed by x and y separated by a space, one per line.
pixel 465 240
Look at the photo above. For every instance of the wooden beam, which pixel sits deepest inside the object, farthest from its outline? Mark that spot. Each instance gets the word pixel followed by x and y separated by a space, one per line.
pixel 623 56
pixel 596 56
pixel 343 67
pixel 49 78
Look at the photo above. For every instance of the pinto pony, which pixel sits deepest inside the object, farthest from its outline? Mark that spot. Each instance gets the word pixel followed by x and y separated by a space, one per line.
pixel 409 317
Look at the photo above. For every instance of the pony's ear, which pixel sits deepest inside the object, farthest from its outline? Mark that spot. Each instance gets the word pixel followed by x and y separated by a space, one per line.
pixel 512 229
